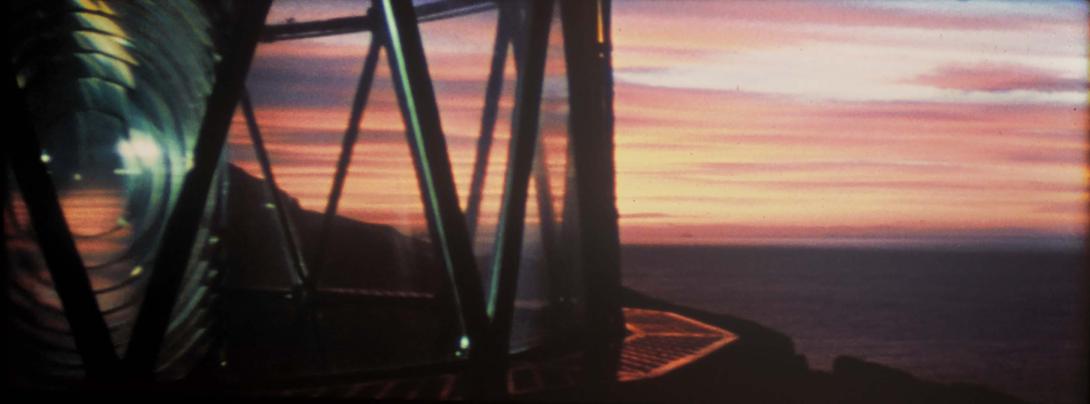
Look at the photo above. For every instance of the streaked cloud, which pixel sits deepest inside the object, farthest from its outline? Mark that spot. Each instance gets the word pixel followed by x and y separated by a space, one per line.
pixel 999 78
pixel 743 122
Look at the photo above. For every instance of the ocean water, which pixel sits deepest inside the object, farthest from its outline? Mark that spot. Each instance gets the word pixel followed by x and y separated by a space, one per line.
pixel 1012 320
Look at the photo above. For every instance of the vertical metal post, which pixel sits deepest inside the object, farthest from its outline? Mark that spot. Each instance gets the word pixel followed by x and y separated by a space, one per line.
pixel 508 247
pixel 348 144
pixel 488 119
pixel 446 223
pixel 170 264
pixel 287 226
pixel 587 51
pixel 568 238
pixel 70 279
pixel 547 219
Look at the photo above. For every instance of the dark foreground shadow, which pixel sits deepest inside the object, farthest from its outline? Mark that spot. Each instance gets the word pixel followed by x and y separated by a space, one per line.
pixel 763 367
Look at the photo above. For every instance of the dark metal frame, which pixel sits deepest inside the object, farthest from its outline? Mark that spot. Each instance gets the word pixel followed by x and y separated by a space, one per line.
pixel 70 280
pixel 394 25
pixel 588 52
pixel 348 25
pixel 488 115
pixel 524 141
pixel 300 273
pixel 420 112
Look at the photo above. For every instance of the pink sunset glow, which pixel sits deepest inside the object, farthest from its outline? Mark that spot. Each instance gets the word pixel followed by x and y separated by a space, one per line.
pixel 740 122
pixel 999 78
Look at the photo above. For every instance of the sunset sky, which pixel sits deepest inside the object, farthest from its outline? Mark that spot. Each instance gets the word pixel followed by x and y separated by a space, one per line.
pixel 848 123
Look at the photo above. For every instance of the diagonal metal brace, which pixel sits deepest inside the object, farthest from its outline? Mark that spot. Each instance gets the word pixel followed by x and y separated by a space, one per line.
pixel 70 279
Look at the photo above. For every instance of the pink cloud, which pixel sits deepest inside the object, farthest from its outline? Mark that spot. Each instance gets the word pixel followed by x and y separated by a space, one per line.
pixel 701 165
pixel 997 78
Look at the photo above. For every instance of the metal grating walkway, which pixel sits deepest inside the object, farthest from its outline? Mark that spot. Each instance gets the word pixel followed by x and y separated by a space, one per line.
pixel 661 341
pixel 658 342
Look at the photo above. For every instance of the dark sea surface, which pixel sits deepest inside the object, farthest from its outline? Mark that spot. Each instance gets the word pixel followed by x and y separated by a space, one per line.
pixel 1012 320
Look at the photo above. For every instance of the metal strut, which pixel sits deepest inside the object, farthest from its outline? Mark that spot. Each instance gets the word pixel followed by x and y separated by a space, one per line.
pixel 524 139
pixel 446 223
pixel 488 118
pixel 433 11
pixel 287 226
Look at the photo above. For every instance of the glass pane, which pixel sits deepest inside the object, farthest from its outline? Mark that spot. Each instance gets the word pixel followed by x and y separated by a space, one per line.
pixel 382 298
pixel 267 265
pixel 302 94
pixel 546 292
pixel 460 53
pixel 460 56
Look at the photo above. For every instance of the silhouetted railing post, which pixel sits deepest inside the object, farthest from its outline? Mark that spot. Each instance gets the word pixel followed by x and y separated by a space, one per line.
pixel 299 275
pixel 587 48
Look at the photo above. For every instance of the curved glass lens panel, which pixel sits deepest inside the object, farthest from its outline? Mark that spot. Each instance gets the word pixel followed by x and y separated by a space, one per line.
pixel 116 113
